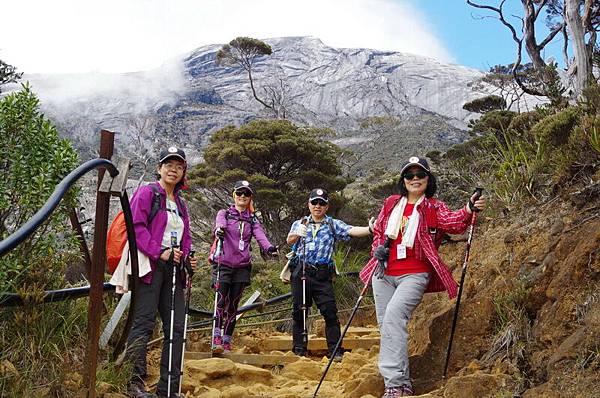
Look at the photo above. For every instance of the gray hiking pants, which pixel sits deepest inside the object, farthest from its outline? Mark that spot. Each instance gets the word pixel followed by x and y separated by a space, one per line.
pixel 396 297
pixel 150 298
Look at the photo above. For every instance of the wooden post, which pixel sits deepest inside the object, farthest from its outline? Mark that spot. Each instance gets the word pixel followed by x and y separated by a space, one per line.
pixel 107 139
pixel 82 243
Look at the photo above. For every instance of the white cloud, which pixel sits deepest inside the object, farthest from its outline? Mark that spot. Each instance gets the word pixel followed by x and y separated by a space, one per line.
pixel 117 36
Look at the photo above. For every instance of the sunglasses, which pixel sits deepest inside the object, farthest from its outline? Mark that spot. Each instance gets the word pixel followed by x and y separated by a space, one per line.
pixel 243 193
pixel 319 202
pixel 419 174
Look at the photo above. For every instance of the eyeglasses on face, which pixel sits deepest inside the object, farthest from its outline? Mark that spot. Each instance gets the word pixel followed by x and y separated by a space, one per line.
pixel 419 174
pixel 243 192
pixel 319 202
pixel 172 165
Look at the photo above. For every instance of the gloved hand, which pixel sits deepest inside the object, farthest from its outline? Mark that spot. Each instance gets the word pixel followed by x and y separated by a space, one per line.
pixel 220 232
pixel 272 250
pixel 301 231
pixel 381 253
pixel 371 224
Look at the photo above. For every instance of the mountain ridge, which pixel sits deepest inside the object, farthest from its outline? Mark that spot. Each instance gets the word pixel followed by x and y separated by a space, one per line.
pixel 190 96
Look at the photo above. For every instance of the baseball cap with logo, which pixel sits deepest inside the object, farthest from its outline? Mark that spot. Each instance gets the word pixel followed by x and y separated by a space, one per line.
pixel 415 161
pixel 319 193
pixel 243 184
pixel 171 152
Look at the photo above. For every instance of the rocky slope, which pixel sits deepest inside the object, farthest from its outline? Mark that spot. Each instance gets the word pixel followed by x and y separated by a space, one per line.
pixel 190 97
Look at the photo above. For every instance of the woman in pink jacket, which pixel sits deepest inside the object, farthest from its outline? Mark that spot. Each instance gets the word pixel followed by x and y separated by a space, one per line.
pixel 235 226
pixel 165 238
pixel 407 233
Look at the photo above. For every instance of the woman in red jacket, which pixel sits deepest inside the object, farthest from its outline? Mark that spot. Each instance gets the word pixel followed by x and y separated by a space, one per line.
pixel 412 223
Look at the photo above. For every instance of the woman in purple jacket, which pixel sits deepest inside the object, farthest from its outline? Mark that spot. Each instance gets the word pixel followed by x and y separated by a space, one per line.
pixel 165 239
pixel 235 226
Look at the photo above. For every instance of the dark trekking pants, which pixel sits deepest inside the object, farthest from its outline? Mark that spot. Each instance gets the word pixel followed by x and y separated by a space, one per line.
pixel 149 299
pixel 321 293
pixel 232 282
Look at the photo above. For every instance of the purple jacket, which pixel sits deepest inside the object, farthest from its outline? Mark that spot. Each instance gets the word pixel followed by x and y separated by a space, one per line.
pixel 149 237
pixel 232 256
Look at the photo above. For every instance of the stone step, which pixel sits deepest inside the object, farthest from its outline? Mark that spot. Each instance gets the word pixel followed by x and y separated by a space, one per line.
pixel 284 343
pixel 259 360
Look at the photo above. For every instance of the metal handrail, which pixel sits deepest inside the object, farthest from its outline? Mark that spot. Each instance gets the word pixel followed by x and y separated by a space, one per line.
pixel 52 296
pixel 46 210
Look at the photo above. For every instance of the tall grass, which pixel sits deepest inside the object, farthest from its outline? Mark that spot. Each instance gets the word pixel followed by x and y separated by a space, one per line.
pixel 512 325
pixel 520 168
pixel 595 139
pixel 42 343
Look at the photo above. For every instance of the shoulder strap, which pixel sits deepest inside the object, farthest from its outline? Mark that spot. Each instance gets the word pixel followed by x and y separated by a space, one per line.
pixel 332 229
pixel 253 220
pixel 156 196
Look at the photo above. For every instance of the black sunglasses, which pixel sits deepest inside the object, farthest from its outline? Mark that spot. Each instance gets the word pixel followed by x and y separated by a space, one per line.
pixel 419 174
pixel 319 202
pixel 244 192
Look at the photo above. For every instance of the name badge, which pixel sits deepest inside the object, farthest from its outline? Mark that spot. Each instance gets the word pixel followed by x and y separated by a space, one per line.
pixel 311 246
pixel 401 250
pixel 241 245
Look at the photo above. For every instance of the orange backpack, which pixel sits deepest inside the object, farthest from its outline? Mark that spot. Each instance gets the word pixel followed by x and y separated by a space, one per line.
pixel 117 233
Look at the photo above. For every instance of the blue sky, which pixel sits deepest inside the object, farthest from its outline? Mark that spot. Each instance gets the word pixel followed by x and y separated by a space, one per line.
pixel 478 43
pixel 121 36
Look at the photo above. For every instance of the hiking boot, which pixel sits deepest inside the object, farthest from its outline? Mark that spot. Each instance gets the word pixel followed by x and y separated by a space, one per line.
pixel 395 392
pixel 226 347
pixel 337 357
pixel 136 389
pixel 407 391
pixel 217 345
pixel 299 351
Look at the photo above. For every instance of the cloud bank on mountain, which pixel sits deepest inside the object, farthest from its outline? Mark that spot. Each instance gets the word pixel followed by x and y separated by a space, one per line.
pixel 66 36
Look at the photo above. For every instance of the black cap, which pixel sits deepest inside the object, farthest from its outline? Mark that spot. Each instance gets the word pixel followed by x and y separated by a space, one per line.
pixel 171 152
pixel 415 161
pixel 243 184
pixel 319 193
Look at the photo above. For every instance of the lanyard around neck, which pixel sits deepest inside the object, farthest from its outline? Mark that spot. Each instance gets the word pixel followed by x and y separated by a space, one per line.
pixel 315 230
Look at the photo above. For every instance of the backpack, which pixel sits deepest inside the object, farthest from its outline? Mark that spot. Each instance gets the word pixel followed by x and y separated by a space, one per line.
pixel 117 232
pixel 228 216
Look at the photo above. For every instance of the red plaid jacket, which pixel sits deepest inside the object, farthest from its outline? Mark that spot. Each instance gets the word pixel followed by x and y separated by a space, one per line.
pixel 453 222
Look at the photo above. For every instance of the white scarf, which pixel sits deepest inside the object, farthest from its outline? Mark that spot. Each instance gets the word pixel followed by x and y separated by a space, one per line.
pixel 393 225
pixel 120 276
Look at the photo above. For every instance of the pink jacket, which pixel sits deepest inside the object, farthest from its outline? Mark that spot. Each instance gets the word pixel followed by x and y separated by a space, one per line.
pixel 454 222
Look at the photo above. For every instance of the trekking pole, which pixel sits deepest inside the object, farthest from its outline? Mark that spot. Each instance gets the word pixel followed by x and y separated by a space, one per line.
pixel 188 284
pixel 217 286
pixel 479 192
pixel 304 309
pixel 171 326
pixel 354 310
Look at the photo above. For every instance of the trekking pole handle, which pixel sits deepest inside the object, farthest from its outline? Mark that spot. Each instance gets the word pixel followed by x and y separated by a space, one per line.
pixel 188 263
pixel 478 192
pixel 219 247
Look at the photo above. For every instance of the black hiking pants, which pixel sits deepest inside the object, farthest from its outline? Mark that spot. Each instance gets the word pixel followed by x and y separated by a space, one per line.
pixel 149 299
pixel 321 293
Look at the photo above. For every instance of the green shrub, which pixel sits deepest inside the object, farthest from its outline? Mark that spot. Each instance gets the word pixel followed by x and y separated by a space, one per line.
pixel 33 160
pixel 522 123
pixel 485 104
pixel 40 341
pixel 493 122
pixel 556 129
pixel 591 99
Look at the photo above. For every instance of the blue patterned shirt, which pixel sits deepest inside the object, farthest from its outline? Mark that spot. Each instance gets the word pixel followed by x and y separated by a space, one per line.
pixel 320 239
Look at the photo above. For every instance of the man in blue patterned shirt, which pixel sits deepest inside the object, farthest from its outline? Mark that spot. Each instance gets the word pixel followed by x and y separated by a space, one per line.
pixel 314 239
